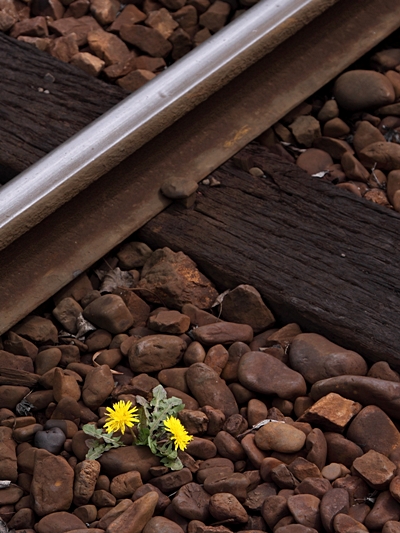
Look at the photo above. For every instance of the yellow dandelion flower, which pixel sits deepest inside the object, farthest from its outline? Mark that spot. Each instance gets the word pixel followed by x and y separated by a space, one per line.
pixel 179 435
pixel 121 414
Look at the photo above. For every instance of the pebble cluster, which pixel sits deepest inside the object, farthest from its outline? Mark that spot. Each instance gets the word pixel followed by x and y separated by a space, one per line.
pixel 292 433
pixel 126 43
pixel 352 138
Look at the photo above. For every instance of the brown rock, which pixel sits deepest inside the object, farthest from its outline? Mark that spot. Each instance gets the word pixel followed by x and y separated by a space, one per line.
pixel 104 11
pixel 317 448
pixel 173 480
pixel 391 526
pixel 386 155
pixel 78 9
pixel 186 17
pixel 313 160
pixel 162 21
pixel 108 312
pixel 316 358
pixel 335 147
pixel 305 510
pixel 36 328
pixel 86 474
pixel 376 469
pixel 216 358
pixel 8 458
pixel 194 353
pixel 64 385
pixel 165 321
pixel 33 27
pixel 160 524
pixel 372 429
pixel 244 305
pixel 356 90
pixel 317 486
pixel 98 385
pixel 68 309
pixel 192 502
pixel 89 63
pixel 305 129
pixel 195 422
pixel 46 360
pixel 174 377
pixel 11 395
pixel 188 401
pixel 365 135
pixel 341 450
pixel 333 502
pixel 136 79
pixel 20 346
pixel 146 39
pixel 223 333
pixel 235 352
pixel 353 169
pixel 197 316
pixel 232 483
pixel 229 447
pixel 59 522
pixel 336 127
pixel 184 282
pixel 131 15
pixel 274 509
pixel 52 484
pixel 216 16
pixel 155 352
pixel 382 370
pixel 385 508
pixel 81 27
pixel 224 506
pixel 332 412
pixel 16 362
pixel 280 437
pixel 343 523
pixel 10 495
pixel 356 487
pixel 8 15
pixel 209 389
pixel 283 381
pixel 365 390
pixel 302 469
pixel 136 516
pixel 120 460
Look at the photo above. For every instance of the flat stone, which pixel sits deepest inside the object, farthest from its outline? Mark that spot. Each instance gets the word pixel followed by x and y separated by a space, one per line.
pixel 343 523
pixel 209 389
pixel 146 39
pixel 81 27
pixel 155 352
pixel 232 483
pixel 376 469
pixel 334 147
pixel 133 254
pixel 120 460
pixel 229 447
pixel 386 155
pixel 357 90
pixel 37 329
pixel 20 346
pixel 52 484
pixel 136 79
pixel 365 135
pixel 89 63
pixel 341 450
pixel 282 380
pixel 314 160
pixel 166 321
pixel 366 390
pixel 192 502
pixel 160 524
pixel 223 333
pixel 124 485
pixel 332 412
pixel 32 27
pixel 244 305
pixel 316 358
pixel 305 510
pixel 333 502
pixel 98 385
pixel 224 506
pixel 136 516
pixel 314 485
pixel 280 437
pixel 59 522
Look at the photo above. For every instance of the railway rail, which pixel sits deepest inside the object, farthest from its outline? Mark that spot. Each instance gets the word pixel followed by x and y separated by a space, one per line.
pixel 73 206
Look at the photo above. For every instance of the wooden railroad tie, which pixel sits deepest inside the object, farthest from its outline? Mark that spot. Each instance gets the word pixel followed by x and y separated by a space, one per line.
pixel 319 256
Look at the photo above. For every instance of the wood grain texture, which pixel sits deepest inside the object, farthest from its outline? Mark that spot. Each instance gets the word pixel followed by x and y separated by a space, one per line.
pixel 34 122
pixel 319 256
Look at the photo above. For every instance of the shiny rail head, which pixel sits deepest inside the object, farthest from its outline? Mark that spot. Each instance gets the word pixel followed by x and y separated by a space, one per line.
pixel 99 147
